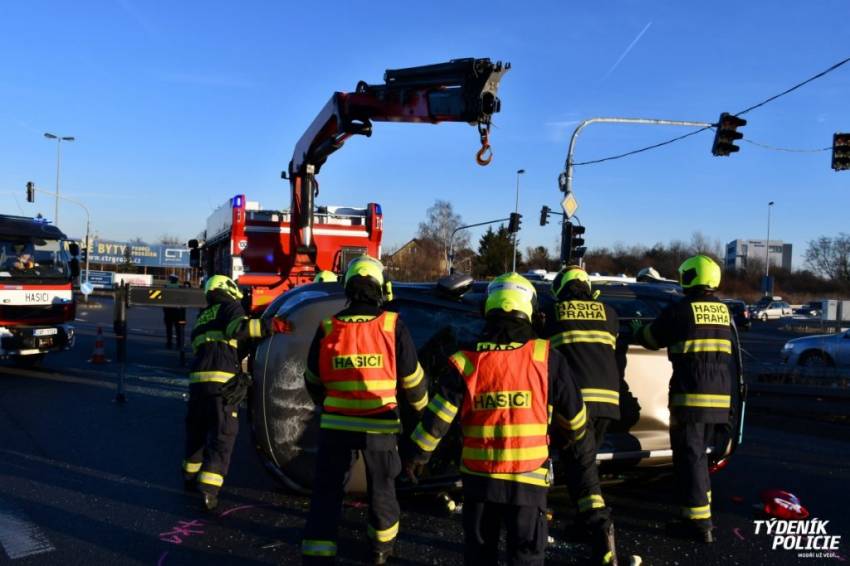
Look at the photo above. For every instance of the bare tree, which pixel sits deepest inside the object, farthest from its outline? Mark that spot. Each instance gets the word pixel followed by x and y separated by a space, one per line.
pixel 830 256
pixel 170 240
pixel 440 222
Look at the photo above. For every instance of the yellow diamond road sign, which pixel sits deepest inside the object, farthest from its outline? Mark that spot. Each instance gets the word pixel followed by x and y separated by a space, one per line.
pixel 570 205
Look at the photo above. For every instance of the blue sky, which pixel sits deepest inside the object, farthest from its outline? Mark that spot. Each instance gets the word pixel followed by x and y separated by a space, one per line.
pixel 176 106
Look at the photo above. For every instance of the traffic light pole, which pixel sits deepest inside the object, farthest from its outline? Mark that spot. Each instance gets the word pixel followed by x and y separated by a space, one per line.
pixel 458 229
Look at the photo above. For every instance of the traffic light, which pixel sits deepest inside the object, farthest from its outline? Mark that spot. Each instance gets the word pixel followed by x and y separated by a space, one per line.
pixel 841 152
pixel 30 191
pixel 544 215
pixel 727 133
pixel 572 242
pixel 84 252
pixel 514 222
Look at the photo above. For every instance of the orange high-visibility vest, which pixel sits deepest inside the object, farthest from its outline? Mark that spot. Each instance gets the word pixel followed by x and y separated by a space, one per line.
pixel 505 412
pixel 357 365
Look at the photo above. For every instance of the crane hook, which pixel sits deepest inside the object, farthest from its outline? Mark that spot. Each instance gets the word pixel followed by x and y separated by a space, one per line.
pixel 485 154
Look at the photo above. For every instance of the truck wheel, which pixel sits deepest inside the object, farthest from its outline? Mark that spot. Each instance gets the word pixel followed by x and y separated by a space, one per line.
pixel 29 362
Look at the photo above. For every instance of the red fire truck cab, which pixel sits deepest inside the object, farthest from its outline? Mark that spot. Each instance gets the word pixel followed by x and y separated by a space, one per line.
pixel 252 245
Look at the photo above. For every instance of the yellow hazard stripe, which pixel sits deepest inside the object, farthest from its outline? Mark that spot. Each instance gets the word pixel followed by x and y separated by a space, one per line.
pixel 318 547
pixel 443 409
pixel 463 364
pixel 539 476
pixel 212 336
pixel 703 400
pixel 504 431
pixel 383 535
pixel 154 294
pixel 541 347
pixel 191 467
pixel 589 502
pixel 361 385
pixel 702 345
pixel 584 336
pixel 211 478
pixel 255 328
pixel 360 424
pixel 591 395
pixel 695 513
pixel 334 402
pixel 421 403
pixel 505 454
pixel 389 321
pixel 577 422
pixel 210 376
pixel 414 379
pixel 423 439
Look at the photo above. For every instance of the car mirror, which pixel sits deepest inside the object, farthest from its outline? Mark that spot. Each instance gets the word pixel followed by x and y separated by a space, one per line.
pixel 455 285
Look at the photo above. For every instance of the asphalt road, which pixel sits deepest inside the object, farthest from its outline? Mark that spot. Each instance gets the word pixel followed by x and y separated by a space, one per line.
pixel 84 480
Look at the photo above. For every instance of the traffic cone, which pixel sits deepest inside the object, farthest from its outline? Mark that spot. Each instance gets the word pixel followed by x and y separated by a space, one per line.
pixel 98 356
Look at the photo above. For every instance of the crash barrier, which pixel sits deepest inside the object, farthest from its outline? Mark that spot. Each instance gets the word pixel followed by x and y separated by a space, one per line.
pixel 811 326
pixel 164 297
pixel 827 380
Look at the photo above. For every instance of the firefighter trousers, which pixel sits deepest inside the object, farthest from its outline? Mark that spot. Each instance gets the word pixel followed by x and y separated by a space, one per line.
pixel 690 469
pixel 527 533
pixel 600 427
pixel 211 429
pixel 334 460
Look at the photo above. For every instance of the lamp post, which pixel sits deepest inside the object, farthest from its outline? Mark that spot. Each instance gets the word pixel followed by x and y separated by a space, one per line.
pixel 59 140
pixel 767 243
pixel 516 210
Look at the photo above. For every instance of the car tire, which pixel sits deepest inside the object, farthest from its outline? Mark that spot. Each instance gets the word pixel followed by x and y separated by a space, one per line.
pixel 763 317
pixel 816 359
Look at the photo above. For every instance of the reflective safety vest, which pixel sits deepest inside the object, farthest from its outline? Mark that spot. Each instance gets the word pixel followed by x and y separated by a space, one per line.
pixel 357 366
pixel 505 414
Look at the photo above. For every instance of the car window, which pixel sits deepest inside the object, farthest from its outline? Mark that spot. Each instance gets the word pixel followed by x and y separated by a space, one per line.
pixel 425 320
pixel 635 307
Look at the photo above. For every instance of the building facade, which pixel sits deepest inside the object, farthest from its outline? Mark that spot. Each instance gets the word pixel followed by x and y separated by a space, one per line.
pixel 741 254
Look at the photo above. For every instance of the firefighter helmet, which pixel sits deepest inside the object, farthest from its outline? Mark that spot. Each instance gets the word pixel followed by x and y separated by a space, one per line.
pixel 511 293
pixel 699 271
pixel 325 277
pixel 224 283
pixel 567 274
pixel 365 266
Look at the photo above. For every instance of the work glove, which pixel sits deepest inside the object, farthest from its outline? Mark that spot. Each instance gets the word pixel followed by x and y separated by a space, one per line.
pixel 281 326
pixel 637 328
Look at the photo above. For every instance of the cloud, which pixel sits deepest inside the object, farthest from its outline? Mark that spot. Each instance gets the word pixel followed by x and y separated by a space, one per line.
pixel 208 79
pixel 626 52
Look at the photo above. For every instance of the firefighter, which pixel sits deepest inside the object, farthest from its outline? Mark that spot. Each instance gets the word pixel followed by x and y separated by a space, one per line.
pixel 696 332
pixel 585 331
pixel 325 276
pixel 172 316
pixel 504 389
pixel 216 384
pixel 358 363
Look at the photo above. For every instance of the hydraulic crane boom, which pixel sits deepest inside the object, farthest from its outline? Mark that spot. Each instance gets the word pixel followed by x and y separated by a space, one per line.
pixel 462 90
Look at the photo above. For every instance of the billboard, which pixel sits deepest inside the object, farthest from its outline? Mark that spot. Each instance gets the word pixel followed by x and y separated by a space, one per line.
pixel 142 255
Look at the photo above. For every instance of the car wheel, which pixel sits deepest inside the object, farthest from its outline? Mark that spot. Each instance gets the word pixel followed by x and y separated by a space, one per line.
pixel 816 359
pixel 763 317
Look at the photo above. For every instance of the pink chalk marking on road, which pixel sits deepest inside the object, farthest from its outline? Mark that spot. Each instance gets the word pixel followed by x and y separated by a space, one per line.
pixel 738 534
pixel 161 560
pixel 182 529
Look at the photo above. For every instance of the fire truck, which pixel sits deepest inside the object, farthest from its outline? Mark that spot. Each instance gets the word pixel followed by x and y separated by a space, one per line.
pixel 252 245
pixel 286 249
pixel 36 301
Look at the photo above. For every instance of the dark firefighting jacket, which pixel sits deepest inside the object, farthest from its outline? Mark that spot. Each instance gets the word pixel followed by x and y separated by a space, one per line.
pixel 697 334
pixel 564 403
pixel 585 332
pixel 221 329
pixel 347 403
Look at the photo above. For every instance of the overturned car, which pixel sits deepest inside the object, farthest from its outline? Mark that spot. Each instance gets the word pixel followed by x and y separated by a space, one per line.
pixel 440 317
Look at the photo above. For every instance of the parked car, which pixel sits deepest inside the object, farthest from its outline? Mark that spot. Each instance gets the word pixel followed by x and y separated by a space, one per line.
pixel 769 309
pixel 823 350
pixel 812 308
pixel 740 313
pixel 440 317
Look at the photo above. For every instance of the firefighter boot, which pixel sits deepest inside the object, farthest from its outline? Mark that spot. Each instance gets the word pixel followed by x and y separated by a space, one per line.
pixel 603 546
pixel 382 556
pixel 210 502
pixel 690 530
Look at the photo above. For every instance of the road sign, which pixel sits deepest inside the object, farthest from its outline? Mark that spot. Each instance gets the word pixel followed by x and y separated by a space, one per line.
pixel 570 205
pixel 99 279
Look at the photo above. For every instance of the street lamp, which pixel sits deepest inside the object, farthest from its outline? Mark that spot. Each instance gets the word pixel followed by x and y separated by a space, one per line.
pixel 516 210
pixel 767 250
pixel 59 140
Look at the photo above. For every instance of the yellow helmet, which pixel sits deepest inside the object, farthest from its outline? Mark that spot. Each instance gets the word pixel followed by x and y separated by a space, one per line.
pixel 365 266
pixel 567 274
pixel 511 293
pixel 325 276
pixel 699 271
pixel 224 283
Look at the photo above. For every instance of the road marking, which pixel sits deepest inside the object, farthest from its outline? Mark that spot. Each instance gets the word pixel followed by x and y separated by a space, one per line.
pixel 30 374
pixel 20 537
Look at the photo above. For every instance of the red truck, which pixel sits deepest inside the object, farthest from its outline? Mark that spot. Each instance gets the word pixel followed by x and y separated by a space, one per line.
pixel 253 245
pixel 36 300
